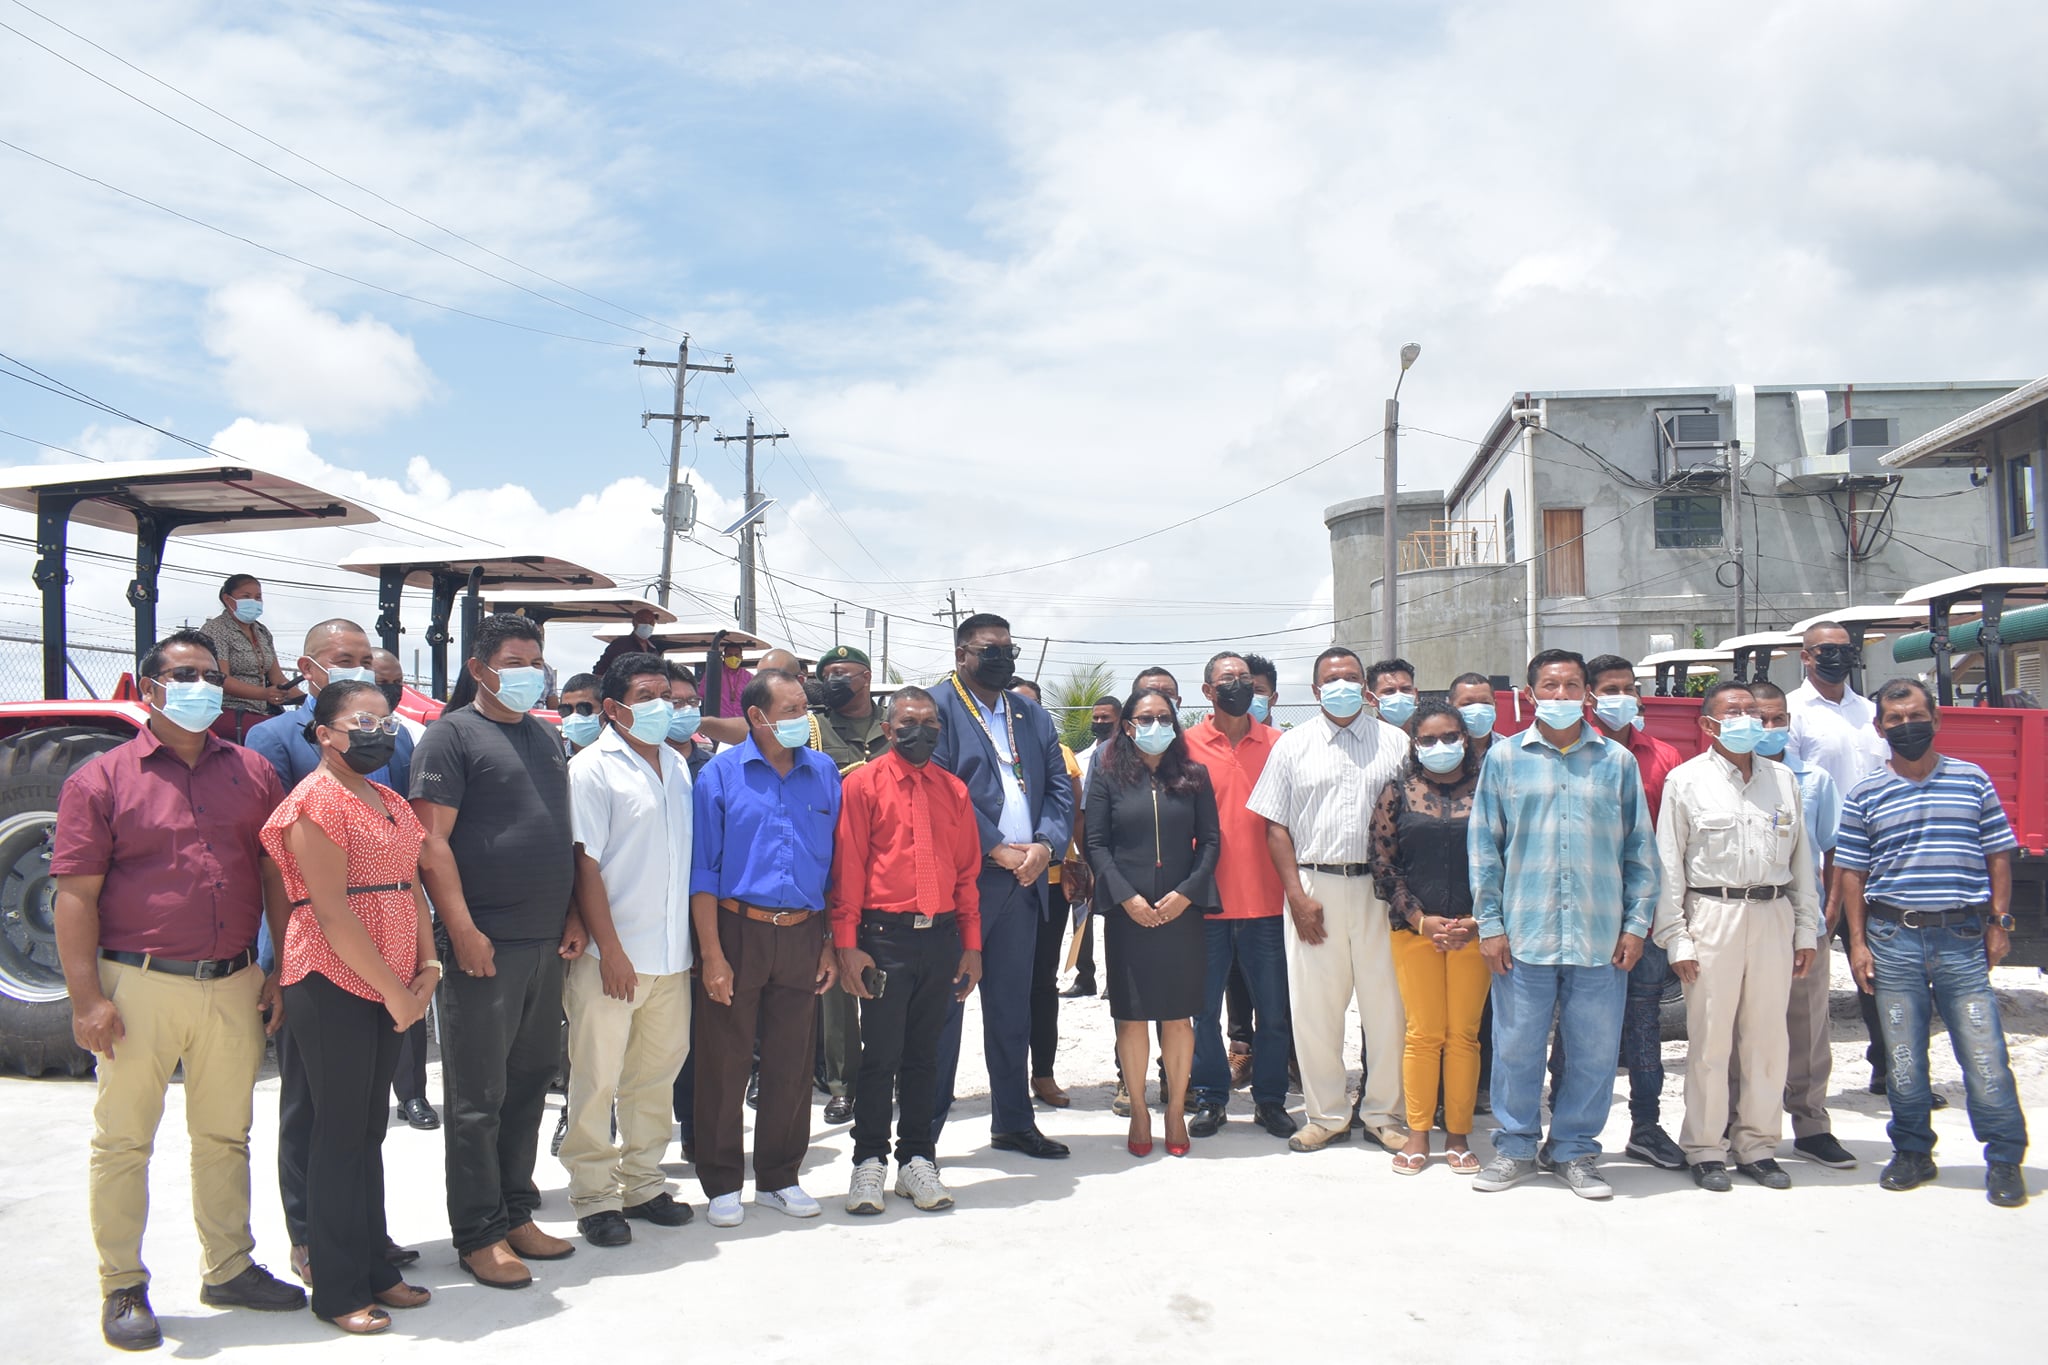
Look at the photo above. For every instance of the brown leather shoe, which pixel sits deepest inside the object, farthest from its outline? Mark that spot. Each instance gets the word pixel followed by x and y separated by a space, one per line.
pixel 363 1321
pixel 1048 1090
pixel 534 1245
pixel 495 1267
pixel 1240 1070
pixel 403 1295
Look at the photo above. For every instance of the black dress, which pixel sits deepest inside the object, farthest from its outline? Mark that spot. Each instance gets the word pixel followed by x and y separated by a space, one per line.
pixel 1145 840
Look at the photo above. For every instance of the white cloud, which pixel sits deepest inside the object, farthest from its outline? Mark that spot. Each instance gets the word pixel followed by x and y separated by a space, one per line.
pixel 282 358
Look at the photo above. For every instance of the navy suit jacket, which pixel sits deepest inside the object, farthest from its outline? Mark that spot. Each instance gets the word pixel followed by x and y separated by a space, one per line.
pixel 966 751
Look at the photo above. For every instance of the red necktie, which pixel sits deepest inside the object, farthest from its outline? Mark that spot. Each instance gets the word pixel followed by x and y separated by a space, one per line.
pixel 931 895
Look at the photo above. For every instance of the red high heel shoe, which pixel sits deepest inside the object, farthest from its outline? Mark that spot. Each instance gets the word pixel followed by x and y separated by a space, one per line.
pixel 1139 1148
pixel 1179 1148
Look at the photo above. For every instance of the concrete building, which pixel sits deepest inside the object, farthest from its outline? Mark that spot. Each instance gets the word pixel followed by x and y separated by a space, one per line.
pixel 1603 521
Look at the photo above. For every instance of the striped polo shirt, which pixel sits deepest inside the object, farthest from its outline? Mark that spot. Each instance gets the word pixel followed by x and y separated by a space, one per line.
pixel 1923 845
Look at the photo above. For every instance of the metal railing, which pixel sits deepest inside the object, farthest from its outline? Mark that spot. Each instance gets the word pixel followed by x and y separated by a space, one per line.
pixel 95 669
pixel 1451 545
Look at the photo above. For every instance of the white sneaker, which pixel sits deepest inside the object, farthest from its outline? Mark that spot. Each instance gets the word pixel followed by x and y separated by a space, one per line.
pixel 726 1211
pixel 919 1183
pixel 790 1199
pixel 864 1195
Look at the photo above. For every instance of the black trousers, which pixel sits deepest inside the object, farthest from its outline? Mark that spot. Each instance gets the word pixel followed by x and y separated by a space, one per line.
pixel 347 1052
pixel 1084 961
pixel 294 1130
pixel 500 1039
pixel 1045 987
pixel 899 1036
pixel 409 1082
pixel 1237 1004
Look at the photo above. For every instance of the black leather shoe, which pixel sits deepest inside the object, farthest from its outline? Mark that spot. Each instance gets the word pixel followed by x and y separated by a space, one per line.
pixel 607 1229
pixel 1712 1176
pixel 127 1321
pixel 254 1288
pixel 754 1091
pixel 1207 1120
pixel 394 1254
pixel 1652 1144
pixel 1079 989
pixel 839 1109
pixel 1936 1100
pixel 1766 1173
pixel 664 1210
pixel 2004 1185
pixel 1877 1081
pixel 420 1115
pixel 1907 1169
pixel 1029 1142
pixel 1276 1120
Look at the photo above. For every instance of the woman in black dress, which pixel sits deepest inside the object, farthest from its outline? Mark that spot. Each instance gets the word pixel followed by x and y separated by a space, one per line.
pixel 1152 841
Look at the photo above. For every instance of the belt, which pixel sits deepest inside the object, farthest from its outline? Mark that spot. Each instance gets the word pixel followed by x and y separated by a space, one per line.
pixel 762 914
pixel 1341 869
pixel 361 891
pixel 1924 919
pixel 1742 893
pixel 207 969
pixel 906 919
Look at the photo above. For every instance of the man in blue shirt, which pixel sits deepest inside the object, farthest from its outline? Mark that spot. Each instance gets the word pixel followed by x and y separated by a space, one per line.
pixel 1564 885
pixel 1925 863
pixel 759 860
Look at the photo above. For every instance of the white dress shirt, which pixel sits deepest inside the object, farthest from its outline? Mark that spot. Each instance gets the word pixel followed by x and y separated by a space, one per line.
pixel 1721 829
pixel 1321 781
pixel 1838 737
pixel 636 827
pixel 1015 823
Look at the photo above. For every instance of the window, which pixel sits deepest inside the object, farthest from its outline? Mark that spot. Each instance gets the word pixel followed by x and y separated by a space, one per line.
pixel 1688 523
pixel 1564 552
pixel 2019 497
pixel 1507 524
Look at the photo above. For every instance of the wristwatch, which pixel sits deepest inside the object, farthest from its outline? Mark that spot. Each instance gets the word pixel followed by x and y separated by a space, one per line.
pixel 435 963
pixel 2005 922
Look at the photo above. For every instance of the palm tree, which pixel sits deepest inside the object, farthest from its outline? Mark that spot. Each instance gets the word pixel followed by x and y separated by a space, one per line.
pixel 1070 699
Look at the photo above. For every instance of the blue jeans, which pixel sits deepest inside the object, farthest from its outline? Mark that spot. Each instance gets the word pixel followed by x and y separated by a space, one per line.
pixel 1260 952
pixel 1943 968
pixel 1642 1044
pixel 1588 1004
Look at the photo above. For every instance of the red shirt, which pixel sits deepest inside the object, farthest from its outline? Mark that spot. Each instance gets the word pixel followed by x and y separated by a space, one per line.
pixel 178 846
pixel 383 850
pixel 907 842
pixel 1247 883
pixel 1654 760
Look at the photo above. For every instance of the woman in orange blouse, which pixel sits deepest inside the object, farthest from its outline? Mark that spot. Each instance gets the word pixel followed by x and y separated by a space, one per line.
pixel 358 970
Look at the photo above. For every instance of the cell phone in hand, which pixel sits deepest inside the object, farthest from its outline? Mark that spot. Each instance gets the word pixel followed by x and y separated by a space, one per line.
pixel 874 981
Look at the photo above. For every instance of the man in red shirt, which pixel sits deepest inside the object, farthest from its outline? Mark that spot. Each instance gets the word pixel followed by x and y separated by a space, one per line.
pixel 161 883
pixel 906 921
pixel 1234 748
pixel 1617 710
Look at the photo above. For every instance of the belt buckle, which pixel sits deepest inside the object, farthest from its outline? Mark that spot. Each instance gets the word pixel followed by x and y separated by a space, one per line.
pixel 205 971
pixel 1909 919
pixel 920 920
pixel 785 918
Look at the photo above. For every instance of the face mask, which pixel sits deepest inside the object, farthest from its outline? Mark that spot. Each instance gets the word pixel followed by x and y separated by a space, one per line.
pixel 1478 717
pixel 192 706
pixel 650 720
pixel 248 610
pixel 342 675
pixel 1560 713
pixel 369 750
pixel 1831 663
pixel 732 661
pixel 1342 699
pixel 1615 712
pixel 1396 707
pixel 393 692
pixel 916 742
pixel 1235 697
pixel 642 631
pixel 582 730
pixel 1154 736
pixel 1440 758
pixel 1262 707
pixel 794 733
pixel 838 692
pixel 1102 730
pixel 1773 741
pixel 520 689
pixel 994 672
pixel 684 723
pixel 1909 739
pixel 1739 734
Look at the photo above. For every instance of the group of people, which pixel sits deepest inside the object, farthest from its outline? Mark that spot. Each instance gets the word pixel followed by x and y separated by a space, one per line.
pixel 703 892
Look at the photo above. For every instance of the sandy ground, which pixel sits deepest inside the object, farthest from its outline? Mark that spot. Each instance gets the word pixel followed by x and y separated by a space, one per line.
pixel 1243 1248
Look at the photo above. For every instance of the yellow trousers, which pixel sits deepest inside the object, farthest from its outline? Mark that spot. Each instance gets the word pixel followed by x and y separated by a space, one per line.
pixel 1444 994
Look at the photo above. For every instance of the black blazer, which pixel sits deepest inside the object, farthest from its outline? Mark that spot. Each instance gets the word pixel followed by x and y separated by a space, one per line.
pixel 1144 840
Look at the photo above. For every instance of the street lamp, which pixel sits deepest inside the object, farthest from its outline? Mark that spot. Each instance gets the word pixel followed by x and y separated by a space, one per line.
pixel 1390 468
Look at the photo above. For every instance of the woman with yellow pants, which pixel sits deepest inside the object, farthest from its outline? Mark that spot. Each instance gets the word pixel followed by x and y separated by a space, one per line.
pixel 1420 870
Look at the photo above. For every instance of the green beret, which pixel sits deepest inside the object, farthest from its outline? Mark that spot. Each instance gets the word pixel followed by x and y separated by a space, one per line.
pixel 844 654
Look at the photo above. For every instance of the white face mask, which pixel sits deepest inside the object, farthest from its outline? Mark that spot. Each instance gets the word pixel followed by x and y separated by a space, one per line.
pixel 643 631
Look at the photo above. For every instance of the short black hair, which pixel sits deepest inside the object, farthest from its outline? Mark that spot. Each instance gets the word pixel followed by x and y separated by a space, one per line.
pixel 1037 692
pixel 1725 685
pixel 153 662
pixel 1469 680
pixel 682 672
pixel 1607 663
pixel 1262 667
pixel 981 620
pixel 908 693
pixel 627 667
pixel 1898 689
pixel 1559 656
pixel 1764 690
pixel 761 688
pixel 1379 668
pixel 1154 672
pixel 1107 701
pixel 1315 670
pixel 328 706
pixel 1209 669
pixel 236 581
pixel 582 682
pixel 494 632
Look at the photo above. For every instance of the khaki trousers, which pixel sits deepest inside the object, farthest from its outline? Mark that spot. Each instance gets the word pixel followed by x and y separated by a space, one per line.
pixel 1354 960
pixel 1744 988
pixel 625 1052
pixel 213 1028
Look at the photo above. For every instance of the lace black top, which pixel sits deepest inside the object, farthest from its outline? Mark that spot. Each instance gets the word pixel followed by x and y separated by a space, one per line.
pixel 1419 863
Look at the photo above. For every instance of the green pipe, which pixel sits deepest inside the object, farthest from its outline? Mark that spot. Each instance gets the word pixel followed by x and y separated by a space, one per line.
pixel 2014 627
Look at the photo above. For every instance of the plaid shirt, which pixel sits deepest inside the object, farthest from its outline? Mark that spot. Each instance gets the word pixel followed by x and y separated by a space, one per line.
pixel 1563 858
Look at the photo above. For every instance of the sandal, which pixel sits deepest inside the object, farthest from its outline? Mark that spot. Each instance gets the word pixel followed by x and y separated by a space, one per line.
pixel 1462 1163
pixel 1410 1163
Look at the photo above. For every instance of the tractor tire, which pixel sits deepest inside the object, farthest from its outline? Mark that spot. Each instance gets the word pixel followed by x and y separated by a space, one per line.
pixel 35 1010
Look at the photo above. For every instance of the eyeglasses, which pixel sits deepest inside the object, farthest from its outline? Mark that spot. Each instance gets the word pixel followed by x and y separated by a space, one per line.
pixel 209 676
pixel 363 720
pixel 995 652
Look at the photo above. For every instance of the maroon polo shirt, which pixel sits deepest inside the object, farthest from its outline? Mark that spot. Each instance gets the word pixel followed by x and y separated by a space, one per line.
pixel 178 846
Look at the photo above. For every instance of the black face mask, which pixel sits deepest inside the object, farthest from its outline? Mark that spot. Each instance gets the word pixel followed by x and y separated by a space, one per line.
pixel 1234 698
pixel 838 692
pixel 814 692
pixel 369 750
pixel 1102 730
pixel 392 692
pixel 1831 663
pixel 994 670
pixel 916 742
pixel 1910 739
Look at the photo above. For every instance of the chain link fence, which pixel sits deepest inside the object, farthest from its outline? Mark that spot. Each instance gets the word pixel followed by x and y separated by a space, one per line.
pixel 95 669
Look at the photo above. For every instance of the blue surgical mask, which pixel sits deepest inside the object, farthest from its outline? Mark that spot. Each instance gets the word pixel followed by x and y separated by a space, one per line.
pixel 1773 741
pixel 685 722
pixel 642 631
pixel 582 730
pixel 1396 707
pixel 1342 698
pixel 1740 734
pixel 1262 707
pixel 1615 712
pixel 191 706
pixel 248 610
pixel 1154 736
pixel 793 733
pixel 520 689
pixel 1440 758
pixel 1560 713
pixel 342 675
pixel 650 720
pixel 1478 717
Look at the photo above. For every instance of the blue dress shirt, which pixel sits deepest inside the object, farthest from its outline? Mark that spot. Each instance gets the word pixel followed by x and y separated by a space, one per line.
pixel 761 837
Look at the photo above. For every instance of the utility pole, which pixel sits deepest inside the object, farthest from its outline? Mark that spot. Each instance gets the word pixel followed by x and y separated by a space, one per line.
pixel 671 499
pixel 836 614
pixel 885 650
pixel 748 531
pixel 952 608
pixel 1735 516
pixel 1390 514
